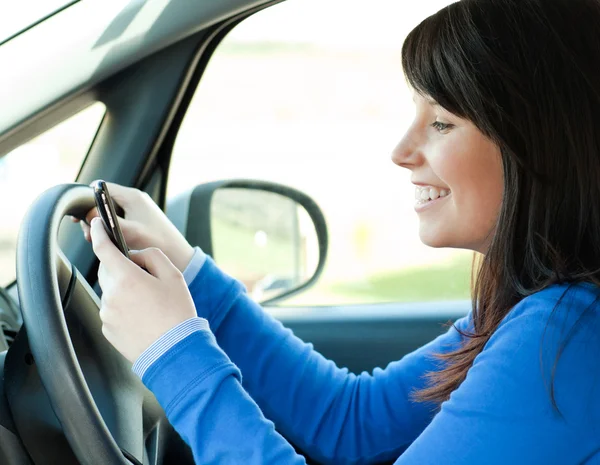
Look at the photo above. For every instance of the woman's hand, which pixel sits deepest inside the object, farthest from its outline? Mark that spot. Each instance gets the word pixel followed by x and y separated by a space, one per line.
pixel 138 306
pixel 145 225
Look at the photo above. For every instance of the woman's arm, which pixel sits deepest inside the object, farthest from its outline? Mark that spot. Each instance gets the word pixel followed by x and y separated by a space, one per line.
pixel 199 389
pixel 332 415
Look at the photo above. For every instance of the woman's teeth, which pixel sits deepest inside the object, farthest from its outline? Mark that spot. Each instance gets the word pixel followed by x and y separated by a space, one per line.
pixel 426 194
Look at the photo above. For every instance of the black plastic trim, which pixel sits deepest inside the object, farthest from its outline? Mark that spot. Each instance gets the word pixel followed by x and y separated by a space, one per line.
pixel 161 156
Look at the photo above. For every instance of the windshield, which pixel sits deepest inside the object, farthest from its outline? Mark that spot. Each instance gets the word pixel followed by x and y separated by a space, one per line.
pixel 15 17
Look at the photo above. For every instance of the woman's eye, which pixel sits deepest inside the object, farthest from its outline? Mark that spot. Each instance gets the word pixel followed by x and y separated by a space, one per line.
pixel 441 127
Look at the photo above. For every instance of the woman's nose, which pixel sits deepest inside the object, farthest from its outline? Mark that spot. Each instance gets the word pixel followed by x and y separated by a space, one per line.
pixel 405 154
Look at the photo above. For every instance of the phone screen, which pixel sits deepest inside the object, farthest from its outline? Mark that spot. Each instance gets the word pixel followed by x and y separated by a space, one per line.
pixel 107 211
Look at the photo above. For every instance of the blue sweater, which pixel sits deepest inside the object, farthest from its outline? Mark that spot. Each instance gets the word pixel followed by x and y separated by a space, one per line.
pixel 501 414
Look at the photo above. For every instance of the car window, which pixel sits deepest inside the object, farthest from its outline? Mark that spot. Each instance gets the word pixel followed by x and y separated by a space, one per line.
pixel 51 158
pixel 301 95
pixel 15 17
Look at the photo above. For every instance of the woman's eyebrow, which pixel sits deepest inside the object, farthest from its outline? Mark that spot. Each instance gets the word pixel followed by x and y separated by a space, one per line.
pixel 432 102
pixel 429 100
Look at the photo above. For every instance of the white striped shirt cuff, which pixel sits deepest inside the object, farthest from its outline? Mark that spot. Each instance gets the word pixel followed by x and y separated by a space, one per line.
pixel 164 343
pixel 194 266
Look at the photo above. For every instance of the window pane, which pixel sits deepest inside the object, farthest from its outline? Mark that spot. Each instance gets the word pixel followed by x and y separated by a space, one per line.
pixel 301 95
pixel 51 158
pixel 17 16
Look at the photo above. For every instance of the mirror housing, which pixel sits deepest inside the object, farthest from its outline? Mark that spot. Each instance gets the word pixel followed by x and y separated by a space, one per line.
pixel 271 237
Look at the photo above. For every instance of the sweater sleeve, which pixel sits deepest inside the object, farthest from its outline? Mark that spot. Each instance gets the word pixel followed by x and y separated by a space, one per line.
pixel 199 389
pixel 332 415
pixel 194 266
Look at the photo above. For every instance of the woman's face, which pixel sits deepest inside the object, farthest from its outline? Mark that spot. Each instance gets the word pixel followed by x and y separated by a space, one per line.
pixel 457 172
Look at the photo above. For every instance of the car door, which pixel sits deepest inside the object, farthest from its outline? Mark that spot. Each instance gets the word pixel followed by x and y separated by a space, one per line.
pixel 303 95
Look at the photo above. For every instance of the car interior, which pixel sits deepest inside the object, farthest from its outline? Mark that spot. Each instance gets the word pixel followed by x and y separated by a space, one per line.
pixel 67 397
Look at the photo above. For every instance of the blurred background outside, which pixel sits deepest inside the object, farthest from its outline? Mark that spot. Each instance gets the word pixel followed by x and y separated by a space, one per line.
pixel 308 93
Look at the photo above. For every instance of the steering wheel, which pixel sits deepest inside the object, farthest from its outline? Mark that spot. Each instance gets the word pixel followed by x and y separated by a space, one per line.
pixel 73 397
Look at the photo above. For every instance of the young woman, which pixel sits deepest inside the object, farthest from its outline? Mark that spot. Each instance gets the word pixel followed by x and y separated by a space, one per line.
pixel 505 155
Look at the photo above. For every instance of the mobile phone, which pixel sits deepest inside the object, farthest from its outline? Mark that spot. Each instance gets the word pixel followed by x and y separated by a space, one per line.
pixel 107 211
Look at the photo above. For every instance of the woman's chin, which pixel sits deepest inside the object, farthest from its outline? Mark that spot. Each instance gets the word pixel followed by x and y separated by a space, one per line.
pixel 434 238
pixel 439 240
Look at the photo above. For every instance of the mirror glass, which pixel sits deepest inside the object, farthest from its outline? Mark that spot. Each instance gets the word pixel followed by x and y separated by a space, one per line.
pixel 265 240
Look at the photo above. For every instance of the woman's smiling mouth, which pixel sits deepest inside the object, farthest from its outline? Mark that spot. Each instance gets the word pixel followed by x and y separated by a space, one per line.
pixel 427 196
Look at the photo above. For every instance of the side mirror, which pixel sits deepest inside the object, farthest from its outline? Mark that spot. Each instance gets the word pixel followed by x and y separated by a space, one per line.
pixel 270 237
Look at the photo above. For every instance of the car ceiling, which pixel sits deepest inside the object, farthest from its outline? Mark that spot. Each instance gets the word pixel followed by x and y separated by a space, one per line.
pixel 104 37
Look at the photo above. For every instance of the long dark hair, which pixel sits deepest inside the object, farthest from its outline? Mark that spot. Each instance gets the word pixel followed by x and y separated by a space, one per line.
pixel 527 74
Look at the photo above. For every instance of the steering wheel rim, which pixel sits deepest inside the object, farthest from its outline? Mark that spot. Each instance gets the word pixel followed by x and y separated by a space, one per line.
pixel 42 270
